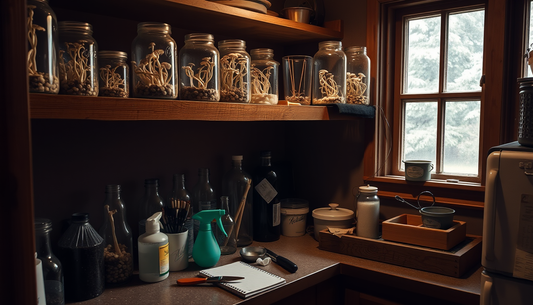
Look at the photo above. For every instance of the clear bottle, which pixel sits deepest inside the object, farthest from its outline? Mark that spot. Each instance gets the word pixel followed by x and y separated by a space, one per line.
pixel 154 62
pixel 237 186
pixel 199 73
pixel 266 204
pixel 42 48
pixel 81 251
pixel 78 66
pixel 179 191
pixel 151 202
pixel 228 244
pixel 265 75
pixel 235 78
pixel 118 251
pixel 357 76
pixel 329 74
pixel 368 212
pixel 114 73
pixel 203 196
pixel 52 268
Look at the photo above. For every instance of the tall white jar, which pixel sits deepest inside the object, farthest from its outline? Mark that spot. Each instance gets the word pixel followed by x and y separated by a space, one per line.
pixel 367 212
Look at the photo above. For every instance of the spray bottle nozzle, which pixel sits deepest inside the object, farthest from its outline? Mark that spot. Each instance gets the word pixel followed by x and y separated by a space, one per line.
pixel 206 216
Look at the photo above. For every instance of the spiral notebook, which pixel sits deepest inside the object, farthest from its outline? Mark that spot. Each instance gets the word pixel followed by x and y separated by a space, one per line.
pixel 255 280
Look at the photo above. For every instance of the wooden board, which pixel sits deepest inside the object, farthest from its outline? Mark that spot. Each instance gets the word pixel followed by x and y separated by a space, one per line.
pixel 407 228
pixel 454 262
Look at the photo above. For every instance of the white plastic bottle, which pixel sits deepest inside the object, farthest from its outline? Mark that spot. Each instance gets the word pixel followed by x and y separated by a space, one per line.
pixel 153 252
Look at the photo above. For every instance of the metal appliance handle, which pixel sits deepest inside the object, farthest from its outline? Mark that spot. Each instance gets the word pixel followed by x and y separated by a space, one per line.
pixel 485 292
pixel 489 217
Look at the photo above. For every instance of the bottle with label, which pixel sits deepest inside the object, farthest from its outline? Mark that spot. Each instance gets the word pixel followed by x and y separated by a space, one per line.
pixel 153 252
pixel 203 196
pixel 266 204
pixel 368 212
pixel 52 269
pixel 81 251
pixel 151 202
pixel 118 251
pixel 179 192
pixel 227 242
pixel 237 186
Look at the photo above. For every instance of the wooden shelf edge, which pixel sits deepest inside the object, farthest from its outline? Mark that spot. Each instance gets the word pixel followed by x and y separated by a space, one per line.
pixel 47 106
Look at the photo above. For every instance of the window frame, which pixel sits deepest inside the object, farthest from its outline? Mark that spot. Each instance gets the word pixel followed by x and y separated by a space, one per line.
pixel 499 95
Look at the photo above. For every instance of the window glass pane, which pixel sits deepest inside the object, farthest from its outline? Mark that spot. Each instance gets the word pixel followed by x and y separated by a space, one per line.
pixel 461 137
pixel 420 131
pixel 465 51
pixel 423 53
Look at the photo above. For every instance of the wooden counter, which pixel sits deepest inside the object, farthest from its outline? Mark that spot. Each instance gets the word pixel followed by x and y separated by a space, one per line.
pixel 315 267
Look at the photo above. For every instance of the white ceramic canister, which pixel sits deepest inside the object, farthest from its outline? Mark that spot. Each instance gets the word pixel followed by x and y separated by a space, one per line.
pixel 294 216
pixel 333 217
pixel 368 212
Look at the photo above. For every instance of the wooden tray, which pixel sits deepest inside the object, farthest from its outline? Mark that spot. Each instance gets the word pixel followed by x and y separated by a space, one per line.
pixel 454 262
pixel 408 229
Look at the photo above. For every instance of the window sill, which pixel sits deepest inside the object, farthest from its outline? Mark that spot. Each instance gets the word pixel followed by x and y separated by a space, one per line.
pixel 464 194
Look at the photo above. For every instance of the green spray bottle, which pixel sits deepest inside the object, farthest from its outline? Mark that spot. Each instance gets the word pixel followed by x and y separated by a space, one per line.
pixel 206 251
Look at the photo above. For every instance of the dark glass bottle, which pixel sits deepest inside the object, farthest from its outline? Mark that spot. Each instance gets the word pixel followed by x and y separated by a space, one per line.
pixel 151 202
pixel 179 191
pixel 82 255
pixel 236 187
pixel 52 269
pixel 118 251
pixel 227 242
pixel 266 204
pixel 203 196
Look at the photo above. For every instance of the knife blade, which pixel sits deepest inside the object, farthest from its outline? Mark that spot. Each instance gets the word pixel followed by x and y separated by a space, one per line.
pixel 213 279
pixel 282 261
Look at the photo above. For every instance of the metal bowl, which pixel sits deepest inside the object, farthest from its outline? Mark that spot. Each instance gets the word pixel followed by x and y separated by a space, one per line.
pixel 298 14
pixel 251 254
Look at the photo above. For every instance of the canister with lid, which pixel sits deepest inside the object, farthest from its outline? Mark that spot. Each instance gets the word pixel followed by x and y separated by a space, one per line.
pixel 43 69
pixel 264 77
pixel 368 212
pixel 154 57
pixel 78 66
pixel 235 76
pixel 199 74
pixel 357 76
pixel 114 74
pixel 329 74
pixel 294 216
pixel 333 217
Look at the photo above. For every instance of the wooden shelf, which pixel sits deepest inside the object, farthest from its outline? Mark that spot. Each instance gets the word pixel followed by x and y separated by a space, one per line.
pixel 47 106
pixel 210 17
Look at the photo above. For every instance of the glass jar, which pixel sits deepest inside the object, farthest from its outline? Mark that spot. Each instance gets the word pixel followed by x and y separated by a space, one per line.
pixel 297 76
pixel 329 74
pixel 114 73
pixel 118 251
pixel 199 74
pixel 154 62
pixel 42 48
pixel 52 268
pixel 82 255
pixel 368 212
pixel 357 76
pixel 78 67
pixel 264 77
pixel 235 76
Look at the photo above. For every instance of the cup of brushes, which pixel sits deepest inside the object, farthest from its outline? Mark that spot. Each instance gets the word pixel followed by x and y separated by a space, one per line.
pixel 173 220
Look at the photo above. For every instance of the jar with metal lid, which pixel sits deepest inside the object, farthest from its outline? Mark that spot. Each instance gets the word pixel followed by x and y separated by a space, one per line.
pixel 199 74
pixel 264 77
pixel 154 57
pixel 114 73
pixel 43 70
pixel 235 76
pixel 332 217
pixel 357 76
pixel 368 212
pixel 329 74
pixel 78 67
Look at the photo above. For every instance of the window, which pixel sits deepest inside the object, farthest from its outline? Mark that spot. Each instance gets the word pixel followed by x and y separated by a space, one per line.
pixel 445 90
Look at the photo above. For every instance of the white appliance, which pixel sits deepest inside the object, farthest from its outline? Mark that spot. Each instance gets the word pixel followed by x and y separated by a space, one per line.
pixel 508 227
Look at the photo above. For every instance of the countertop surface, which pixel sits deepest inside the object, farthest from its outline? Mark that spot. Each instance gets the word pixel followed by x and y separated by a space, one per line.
pixel 314 267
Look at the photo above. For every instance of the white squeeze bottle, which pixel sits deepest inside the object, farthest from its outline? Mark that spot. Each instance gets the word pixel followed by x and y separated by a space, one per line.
pixel 153 252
